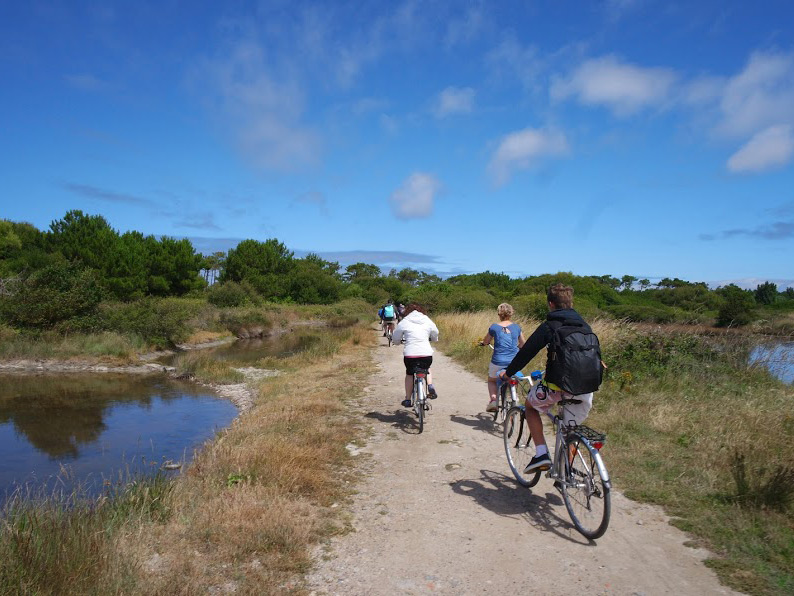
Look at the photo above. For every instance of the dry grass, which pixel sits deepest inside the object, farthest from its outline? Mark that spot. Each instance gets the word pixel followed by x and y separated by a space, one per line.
pixel 255 500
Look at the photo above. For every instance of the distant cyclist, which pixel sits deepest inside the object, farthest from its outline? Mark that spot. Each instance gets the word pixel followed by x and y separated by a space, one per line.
pixel 389 316
pixel 545 394
pixel 418 330
pixel 507 339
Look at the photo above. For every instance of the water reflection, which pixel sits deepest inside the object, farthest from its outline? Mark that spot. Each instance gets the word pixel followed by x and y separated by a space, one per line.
pixel 99 424
pixel 248 351
pixel 778 358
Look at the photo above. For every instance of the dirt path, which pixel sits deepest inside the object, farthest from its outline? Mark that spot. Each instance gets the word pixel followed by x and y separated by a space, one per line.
pixel 439 513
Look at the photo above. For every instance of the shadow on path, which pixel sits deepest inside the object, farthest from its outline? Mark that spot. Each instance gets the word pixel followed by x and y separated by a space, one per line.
pixel 483 421
pixel 404 420
pixel 502 495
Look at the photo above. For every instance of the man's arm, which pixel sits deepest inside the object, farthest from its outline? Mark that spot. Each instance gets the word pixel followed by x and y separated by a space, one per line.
pixel 536 342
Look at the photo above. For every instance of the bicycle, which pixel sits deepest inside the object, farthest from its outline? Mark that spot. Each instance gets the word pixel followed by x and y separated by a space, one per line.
pixel 577 468
pixel 419 396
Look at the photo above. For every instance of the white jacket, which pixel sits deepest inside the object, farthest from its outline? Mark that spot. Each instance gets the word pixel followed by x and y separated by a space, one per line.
pixel 418 331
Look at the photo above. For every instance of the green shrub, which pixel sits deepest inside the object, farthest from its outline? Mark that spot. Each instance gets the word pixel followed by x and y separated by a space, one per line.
pixel 232 294
pixel 162 322
pixel 245 322
pixel 51 295
pixel 642 312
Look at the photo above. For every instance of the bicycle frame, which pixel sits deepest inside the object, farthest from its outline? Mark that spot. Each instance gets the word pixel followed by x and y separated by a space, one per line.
pixel 560 433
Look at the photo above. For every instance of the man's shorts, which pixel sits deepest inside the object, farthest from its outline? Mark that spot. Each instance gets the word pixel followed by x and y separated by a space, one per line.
pixel 541 398
pixel 411 364
pixel 388 319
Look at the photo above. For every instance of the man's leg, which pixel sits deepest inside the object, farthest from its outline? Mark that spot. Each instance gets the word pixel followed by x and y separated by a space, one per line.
pixel 535 426
pixel 541 461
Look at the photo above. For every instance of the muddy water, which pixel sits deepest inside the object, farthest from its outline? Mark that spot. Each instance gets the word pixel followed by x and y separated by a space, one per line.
pixel 90 429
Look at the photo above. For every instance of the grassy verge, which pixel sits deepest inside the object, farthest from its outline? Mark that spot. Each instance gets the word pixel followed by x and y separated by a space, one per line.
pixel 692 428
pixel 245 515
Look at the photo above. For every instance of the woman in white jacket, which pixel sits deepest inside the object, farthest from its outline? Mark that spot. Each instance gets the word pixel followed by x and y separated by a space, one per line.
pixel 417 330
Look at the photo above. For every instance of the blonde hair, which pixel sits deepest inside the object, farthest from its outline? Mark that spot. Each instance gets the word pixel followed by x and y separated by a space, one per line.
pixel 505 311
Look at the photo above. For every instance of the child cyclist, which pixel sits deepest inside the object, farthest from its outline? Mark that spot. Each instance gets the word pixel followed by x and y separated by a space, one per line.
pixel 545 394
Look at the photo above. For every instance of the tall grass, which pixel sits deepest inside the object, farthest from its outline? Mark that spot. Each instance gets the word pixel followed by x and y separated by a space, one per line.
pixel 67 544
pixel 106 345
pixel 692 428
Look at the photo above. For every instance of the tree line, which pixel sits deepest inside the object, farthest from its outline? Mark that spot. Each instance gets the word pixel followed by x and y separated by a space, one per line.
pixel 50 276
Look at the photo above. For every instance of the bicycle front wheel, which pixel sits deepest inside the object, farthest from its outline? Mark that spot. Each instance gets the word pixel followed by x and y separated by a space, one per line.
pixel 519 447
pixel 585 492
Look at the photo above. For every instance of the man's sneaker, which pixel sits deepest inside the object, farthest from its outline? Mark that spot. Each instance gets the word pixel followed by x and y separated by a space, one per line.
pixel 431 393
pixel 539 463
pixel 406 403
pixel 492 406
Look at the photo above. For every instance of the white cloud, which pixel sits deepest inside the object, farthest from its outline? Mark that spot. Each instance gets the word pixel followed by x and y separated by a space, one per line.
pixel 415 197
pixel 454 100
pixel 510 60
pixel 260 109
pixel 466 28
pixel 523 149
pixel 760 96
pixel 768 149
pixel 621 87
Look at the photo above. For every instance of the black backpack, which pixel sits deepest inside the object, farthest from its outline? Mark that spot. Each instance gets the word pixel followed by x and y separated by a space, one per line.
pixel 574 362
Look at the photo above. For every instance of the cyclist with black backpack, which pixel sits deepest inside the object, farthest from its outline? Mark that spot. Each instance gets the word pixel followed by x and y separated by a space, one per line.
pixel 573 369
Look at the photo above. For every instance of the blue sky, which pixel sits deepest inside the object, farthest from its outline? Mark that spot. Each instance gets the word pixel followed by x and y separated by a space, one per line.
pixel 637 137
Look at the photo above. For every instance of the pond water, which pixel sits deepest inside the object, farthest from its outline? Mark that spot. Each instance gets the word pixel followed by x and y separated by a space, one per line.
pixel 777 357
pixel 61 431
pixel 248 351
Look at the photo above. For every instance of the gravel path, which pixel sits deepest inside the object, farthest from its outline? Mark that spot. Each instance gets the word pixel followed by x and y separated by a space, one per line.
pixel 439 513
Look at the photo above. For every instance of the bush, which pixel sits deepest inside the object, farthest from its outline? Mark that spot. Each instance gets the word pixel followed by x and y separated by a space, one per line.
pixel 737 309
pixel 161 322
pixel 641 312
pixel 248 322
pixel 51 295
pixel 232 294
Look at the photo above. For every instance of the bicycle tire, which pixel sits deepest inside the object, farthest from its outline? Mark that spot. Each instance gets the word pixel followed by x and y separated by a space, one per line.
pixel 505 402
pixel 499 416
pixel 419 405
pixel 389 337
pixel 586 494
pixel 519 447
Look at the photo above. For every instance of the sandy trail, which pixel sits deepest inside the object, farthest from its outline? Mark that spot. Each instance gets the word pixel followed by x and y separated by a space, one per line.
pixel 440 513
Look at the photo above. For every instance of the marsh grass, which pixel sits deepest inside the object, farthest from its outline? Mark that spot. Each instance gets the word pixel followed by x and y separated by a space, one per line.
pixel 106 346
pixel 203 367
pixel 67 543
pixel 695 429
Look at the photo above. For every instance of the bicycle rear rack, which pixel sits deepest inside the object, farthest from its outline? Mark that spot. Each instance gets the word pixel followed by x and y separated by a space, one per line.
pixel 588 433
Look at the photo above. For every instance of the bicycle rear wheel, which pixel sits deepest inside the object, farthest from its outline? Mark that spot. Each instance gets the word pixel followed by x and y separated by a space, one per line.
pixel 419 404
pixel 519 447
pixel 584 491
pixel 389 337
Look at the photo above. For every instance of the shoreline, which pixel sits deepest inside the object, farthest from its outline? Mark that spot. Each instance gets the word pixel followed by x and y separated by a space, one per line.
pixel 240 394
